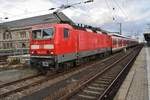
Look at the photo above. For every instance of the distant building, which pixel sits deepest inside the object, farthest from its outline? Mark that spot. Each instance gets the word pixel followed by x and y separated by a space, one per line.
pixel 14 35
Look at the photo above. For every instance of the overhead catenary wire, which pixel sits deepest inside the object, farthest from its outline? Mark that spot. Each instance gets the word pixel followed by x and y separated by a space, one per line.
pixel 121 9
pixel 62 7
pixel 127 15
pixel 27 13
pixel 110 9
pixel 115 11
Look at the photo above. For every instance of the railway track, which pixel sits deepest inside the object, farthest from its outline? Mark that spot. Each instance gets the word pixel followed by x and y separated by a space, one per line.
pixel 104 84
pixel 15 86
pixel 17 81
pixel 88 68
pixel 9 89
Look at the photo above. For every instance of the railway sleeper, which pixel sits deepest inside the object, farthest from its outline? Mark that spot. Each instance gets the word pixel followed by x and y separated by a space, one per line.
pixel 87 95
pixel 104 79
pixel 88 92
pixel 102 82
pixel 95 88
pixel 84 97
pixel 92 92
pixel 99 84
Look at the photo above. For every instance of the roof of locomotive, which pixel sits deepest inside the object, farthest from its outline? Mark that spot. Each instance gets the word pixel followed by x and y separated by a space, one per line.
pixel 48 25
pixel 78 27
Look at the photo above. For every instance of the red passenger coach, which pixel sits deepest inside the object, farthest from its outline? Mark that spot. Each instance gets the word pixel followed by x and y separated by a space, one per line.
pixel 120 42
pixel 54 45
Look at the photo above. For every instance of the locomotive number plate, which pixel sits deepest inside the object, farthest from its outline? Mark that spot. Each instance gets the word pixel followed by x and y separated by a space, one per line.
pixel 45 64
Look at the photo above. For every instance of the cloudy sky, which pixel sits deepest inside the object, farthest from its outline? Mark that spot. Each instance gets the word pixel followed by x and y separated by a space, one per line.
pixel 133 14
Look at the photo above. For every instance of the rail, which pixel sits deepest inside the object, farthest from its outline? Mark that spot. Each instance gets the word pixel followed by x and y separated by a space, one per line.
pixel 102 95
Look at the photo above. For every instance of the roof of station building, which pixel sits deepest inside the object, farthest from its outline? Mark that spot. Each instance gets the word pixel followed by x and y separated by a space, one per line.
pixel 48 18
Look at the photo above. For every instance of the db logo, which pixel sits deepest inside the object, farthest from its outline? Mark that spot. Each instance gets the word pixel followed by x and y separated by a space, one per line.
pixel 41 46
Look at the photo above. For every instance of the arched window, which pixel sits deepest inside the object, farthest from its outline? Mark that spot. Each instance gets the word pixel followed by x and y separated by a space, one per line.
pixel 7 35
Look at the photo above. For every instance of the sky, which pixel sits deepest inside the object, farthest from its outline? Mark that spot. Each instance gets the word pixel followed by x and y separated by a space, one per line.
pixel 133 14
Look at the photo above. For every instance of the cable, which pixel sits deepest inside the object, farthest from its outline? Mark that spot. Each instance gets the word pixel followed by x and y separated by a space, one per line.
pixel 27 13
pixel 107 4
pixel 62 7
pixel 123 11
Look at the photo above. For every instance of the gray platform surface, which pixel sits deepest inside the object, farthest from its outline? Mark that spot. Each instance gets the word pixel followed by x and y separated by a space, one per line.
pixel 137 83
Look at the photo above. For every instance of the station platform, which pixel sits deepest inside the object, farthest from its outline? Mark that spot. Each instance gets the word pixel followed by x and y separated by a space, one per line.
pixel 136 86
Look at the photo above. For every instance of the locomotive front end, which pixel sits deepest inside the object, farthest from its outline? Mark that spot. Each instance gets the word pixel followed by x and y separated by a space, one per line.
pixel 42 47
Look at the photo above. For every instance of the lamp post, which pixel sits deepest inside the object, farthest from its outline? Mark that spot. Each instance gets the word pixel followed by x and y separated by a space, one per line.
pixel 120 24
pixel 120 28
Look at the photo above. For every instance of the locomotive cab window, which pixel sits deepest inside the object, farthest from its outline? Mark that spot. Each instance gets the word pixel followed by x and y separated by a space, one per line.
pixel 66 33
pixel 43 33
pixel 48 33
pixel 36 34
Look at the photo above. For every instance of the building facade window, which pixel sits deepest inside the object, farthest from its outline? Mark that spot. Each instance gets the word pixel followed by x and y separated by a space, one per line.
pixel 7 45
pixel 24 34
pixel 7 35
pixel 28 34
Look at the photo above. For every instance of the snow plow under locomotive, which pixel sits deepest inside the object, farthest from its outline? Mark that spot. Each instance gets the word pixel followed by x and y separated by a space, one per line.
pixel 55 46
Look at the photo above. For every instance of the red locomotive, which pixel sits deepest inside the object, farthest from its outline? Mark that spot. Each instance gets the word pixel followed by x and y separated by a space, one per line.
pixel 54 46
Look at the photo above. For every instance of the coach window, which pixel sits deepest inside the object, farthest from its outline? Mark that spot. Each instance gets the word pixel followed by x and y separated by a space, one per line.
pixel 66 33
pixel 114 42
